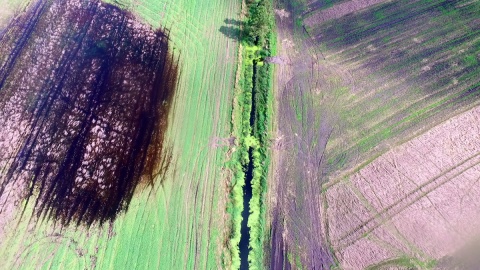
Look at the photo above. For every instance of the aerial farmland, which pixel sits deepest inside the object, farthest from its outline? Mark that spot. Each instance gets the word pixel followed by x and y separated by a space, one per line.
pixel 225 134
pixel 374 99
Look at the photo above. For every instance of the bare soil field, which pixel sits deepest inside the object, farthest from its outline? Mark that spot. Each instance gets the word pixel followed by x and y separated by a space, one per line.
pixel 418 200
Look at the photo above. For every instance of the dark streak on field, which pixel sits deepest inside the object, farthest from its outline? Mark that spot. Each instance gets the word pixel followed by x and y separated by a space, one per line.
pixel 323 4
pixel 95 87
pixel 278 247
pixel 24 27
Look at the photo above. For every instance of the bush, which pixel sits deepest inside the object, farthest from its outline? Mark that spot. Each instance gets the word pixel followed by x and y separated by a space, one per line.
pixel 259 22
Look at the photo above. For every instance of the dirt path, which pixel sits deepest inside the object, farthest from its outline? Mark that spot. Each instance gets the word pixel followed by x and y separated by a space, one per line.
pixel 304 98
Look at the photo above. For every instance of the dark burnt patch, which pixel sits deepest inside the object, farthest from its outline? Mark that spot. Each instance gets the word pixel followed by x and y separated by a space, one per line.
pixel 86 97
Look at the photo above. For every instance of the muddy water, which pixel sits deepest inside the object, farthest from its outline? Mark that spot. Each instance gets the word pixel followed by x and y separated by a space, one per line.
pixel 84 94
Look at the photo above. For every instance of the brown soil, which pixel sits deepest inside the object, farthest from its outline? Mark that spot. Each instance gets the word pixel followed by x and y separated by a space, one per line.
pixel 294 190
pixel 398 205
pixel 418 199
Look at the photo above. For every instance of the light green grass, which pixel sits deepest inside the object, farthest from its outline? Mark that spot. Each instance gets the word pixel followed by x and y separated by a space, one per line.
pixel 11 8
pixel 179 225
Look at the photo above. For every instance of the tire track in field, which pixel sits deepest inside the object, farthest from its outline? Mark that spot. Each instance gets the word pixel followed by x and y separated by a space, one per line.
pixel 410 198
pixel 306 117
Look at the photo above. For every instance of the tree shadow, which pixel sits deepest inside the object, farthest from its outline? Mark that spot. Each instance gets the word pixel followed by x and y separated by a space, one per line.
pixel 233 22
pixel 231 32
pixel 233 29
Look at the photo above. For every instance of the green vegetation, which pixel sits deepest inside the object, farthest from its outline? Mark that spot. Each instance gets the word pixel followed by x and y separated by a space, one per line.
pixel 259 23
pixel 253 109
pixel 261 159
pixel 398 82
pixel 404 262
pixel 384 74
pixel 295 260
pixel 179 225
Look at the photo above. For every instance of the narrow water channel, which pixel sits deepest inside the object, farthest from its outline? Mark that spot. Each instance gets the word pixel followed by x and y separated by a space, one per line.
pixel 245 231
pixel 247 189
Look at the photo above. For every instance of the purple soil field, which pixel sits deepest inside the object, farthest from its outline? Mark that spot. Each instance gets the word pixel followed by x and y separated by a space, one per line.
pixel 376 144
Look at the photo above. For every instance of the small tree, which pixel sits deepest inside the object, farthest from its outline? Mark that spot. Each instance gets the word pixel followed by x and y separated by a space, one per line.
pixel 259 22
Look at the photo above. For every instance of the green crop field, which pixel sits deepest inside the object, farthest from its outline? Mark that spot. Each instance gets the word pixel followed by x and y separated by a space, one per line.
pixel 180 224
pixel 395 69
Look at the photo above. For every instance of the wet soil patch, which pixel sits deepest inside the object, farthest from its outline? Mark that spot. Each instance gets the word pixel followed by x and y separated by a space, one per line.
pixel 86 91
